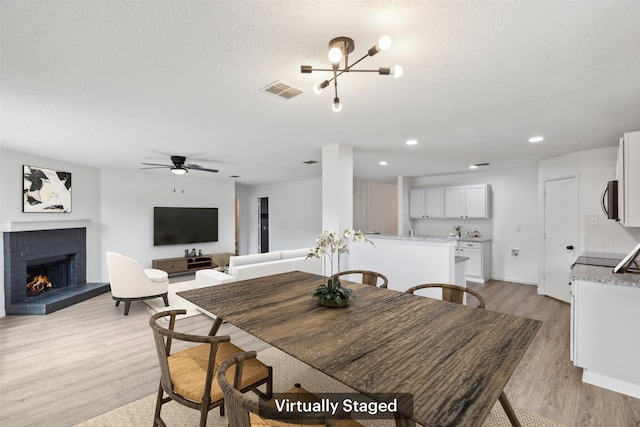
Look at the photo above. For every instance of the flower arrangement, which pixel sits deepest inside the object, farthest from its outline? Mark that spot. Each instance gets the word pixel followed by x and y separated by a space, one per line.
pixel 328 244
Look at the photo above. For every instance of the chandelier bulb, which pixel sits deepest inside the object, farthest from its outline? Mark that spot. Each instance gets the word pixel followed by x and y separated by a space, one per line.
pixel 396 71
pixel 337 106
pixel 335 55
pixel 317 89
pixel 384 43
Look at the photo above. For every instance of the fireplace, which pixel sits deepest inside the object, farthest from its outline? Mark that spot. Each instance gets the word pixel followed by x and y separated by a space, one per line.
pixel 45 270
pixel 51 273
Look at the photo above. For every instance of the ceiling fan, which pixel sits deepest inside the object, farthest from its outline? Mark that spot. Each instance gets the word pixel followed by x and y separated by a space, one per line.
pixel 179 167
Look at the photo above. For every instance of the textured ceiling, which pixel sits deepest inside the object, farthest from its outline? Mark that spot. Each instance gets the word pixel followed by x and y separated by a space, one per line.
pixel 112 84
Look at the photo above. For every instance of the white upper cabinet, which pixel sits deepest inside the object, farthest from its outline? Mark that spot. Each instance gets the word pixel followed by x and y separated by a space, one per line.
pixel 454 202
pixel 469 201
pixel 628 172
pixel 426 202
pixel 465 201
pixel 476 201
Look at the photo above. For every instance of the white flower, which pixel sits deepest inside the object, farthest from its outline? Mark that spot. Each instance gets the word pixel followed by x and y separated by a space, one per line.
pixel 329 242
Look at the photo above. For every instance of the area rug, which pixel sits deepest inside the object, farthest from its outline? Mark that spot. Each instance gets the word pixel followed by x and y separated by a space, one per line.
pixel 286 372
pixel 175 302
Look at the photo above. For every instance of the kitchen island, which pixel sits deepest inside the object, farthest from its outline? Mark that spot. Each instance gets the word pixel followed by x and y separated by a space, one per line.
pixel 605 317
pixel 410 261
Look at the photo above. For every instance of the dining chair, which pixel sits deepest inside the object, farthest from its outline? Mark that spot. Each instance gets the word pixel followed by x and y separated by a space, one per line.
pixel 455 294
pixel 367 277
pixel 245 411
pixel 188 376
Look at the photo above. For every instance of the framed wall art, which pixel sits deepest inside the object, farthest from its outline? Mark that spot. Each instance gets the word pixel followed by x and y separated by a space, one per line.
pixel 45 190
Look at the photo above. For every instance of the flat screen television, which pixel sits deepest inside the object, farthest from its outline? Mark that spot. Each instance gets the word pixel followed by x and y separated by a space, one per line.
pixel 177 226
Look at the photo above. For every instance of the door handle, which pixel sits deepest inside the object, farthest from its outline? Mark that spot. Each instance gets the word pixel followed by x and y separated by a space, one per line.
pixel 570 247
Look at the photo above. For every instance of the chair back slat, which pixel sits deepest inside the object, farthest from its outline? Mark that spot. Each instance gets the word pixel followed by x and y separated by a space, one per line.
pixel 367 277
pixel 450 293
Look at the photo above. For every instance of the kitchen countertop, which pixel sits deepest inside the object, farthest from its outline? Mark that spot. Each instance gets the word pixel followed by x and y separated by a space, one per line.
pixel 427 238
pixel 592 273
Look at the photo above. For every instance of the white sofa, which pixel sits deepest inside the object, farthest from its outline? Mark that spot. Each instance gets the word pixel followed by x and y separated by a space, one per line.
pixel 244 267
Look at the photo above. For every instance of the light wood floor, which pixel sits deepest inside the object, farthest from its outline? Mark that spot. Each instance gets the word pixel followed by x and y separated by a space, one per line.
pixel 76 363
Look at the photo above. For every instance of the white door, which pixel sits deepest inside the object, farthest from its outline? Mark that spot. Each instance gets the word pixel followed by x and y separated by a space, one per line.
pixel 560 235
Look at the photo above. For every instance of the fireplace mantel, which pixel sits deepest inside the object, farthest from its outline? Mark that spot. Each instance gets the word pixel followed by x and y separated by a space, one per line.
pixel 9 226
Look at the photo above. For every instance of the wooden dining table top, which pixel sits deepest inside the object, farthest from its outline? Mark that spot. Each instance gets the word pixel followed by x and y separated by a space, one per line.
pixel 454 360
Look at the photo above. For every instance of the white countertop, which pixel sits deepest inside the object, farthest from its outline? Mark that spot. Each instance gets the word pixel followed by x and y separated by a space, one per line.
pixel 427 238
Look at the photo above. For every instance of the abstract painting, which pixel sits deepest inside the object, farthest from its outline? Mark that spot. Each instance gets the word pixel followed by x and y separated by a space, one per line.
pixel 46 190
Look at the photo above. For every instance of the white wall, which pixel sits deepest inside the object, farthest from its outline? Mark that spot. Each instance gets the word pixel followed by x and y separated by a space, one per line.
pixel 514 206
pixel 375 207
pixel 593 168
pixel 295 214
pixel 128 199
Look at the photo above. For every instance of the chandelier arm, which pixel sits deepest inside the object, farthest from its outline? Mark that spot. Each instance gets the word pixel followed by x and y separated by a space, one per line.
pixel 349 67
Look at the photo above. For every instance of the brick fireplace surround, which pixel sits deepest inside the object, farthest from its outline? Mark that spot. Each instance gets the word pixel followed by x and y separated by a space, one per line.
pixel 23 249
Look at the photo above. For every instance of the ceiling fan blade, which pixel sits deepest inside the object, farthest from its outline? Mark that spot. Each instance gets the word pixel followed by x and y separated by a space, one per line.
pixel 198 168
pixel 157 167
pixel 156 164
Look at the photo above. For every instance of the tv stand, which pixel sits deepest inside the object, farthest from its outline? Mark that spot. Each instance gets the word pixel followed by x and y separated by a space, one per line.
pixel 183 264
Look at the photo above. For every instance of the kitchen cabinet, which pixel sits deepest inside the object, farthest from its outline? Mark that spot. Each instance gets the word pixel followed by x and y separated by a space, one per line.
pixel 478 266
pixel 464 201
pixel 426 202
pixel 469 201
pixel 628 175
pixel 604 322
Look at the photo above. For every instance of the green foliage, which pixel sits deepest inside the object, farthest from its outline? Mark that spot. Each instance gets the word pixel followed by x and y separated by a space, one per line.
pixel 333 290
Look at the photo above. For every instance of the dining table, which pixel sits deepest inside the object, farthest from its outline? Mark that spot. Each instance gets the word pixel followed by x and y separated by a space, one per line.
pixel 453 360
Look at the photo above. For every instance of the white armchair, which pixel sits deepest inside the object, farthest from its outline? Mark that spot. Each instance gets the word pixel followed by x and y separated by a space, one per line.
pixel 130 282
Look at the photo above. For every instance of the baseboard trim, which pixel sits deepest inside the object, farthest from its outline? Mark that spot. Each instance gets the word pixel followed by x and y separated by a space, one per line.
pixel 522 282
pixel 609 383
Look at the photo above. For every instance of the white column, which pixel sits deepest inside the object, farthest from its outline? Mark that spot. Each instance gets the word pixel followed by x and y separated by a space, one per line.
pixel 337 187
pixel 404 222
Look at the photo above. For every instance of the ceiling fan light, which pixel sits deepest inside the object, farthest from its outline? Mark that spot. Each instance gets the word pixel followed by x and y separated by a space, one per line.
pixel 396 71
pixel 337 105
pixel 177 170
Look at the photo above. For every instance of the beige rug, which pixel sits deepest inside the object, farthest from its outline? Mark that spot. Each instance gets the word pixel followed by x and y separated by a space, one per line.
pixel 287 371
pixel 175 302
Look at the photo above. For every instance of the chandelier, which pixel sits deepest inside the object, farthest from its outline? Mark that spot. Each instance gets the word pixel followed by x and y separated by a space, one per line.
pixel 341 47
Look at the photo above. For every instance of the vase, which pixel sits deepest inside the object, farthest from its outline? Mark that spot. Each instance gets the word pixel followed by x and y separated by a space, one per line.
pixel 332 303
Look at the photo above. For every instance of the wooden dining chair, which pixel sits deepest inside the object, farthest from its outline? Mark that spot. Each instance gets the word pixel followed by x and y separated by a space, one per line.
pixel 455 294
pixel 246 411
pixel 367 277
pixel 188 376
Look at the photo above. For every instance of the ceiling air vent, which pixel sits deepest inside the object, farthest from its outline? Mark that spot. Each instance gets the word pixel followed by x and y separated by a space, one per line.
pixel 281 89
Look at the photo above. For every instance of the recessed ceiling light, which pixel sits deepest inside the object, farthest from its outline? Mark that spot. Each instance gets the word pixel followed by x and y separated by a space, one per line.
pixel 411 142
pixel 535 139
pixel 383 163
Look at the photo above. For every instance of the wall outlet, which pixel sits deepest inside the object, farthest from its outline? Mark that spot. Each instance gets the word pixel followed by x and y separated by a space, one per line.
pixel 515 253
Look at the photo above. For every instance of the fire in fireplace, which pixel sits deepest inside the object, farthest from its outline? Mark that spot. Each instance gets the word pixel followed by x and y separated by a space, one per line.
pixel 48 273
